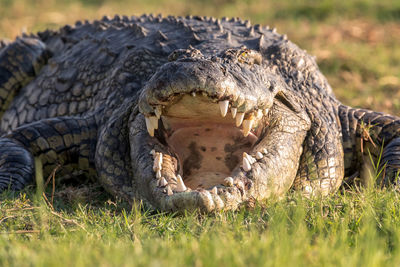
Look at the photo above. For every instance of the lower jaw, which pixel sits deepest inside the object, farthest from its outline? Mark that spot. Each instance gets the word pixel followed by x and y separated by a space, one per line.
pixel 159 181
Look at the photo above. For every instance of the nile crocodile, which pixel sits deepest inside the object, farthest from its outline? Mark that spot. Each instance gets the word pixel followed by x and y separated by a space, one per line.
pixel 181 113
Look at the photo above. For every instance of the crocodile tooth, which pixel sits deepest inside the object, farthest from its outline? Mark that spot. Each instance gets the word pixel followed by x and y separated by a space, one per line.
pixel 259 113
pixel 265 151
pixel 158 174
pixel 265 111
pixel 158 112
pixel 233 111
pixel 239 119
pixel 259 155
pixel 152 152
pixel 228 181
pixel 246 164
pixel 180 185
pixel 158 162
pixel 247 125
pixel 214 190
pixel 162 182
pixel 223 106
pixel 154 122
pixel 169 191
pixel 155 164
pixel 149 126
pixel 194 94
pixel 249 158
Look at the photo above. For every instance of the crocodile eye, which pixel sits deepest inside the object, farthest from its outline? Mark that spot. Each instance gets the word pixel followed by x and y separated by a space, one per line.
pixel 185 53
pixel 249 56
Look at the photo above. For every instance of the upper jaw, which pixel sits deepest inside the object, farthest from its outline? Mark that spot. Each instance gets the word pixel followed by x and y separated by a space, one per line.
pixel 246 88
pixel 248 92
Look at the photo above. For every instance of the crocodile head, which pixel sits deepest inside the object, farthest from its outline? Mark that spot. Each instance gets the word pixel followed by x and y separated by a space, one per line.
pixel 208 132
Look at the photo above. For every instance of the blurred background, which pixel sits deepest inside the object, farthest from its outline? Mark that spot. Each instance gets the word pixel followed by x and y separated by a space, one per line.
pixel 356 42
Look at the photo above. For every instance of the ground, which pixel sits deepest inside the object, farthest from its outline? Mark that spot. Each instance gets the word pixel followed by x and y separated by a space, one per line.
pixel 356 45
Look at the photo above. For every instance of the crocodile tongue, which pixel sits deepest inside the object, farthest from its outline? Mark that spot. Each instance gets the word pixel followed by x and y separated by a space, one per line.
pixel 208 153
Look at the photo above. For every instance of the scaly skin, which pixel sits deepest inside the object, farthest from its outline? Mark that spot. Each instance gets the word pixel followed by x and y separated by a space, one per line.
pixel 110 98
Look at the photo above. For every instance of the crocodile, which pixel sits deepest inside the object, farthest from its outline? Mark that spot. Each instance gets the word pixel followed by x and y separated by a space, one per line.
pixel 181 113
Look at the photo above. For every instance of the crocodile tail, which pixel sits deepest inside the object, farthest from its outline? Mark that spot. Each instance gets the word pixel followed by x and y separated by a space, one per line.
pixel 371 145
pixel 16 165
pixel 64 143
pixel 20 61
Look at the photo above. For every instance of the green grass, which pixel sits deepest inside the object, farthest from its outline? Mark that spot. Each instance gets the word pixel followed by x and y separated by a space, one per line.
pixel 356 44
pixel 352 228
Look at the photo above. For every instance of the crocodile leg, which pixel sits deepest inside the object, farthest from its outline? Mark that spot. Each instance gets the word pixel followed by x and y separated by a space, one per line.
pixel 20 62
pixel 112 156
pixel 321 167
pixel 16 165
pixel 370 135
pixel 67 141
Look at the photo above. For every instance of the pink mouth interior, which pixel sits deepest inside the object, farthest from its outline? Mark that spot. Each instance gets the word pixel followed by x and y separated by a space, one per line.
pixel 208 146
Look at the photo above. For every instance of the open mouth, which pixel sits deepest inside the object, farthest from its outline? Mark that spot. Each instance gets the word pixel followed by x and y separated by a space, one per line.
pixel 207 140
